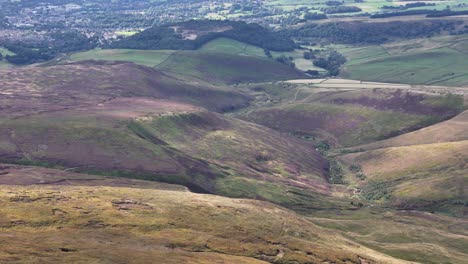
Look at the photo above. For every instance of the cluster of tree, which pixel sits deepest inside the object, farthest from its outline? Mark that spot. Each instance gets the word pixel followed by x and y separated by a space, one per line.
pixel 335 172
pixel 166 37
pixel 25 55
pixel 314 16
pixel 409 5
pixel 370 33
pixel 1 56
pixel 447 12
pixel 332 63
pixel 342 9
pixel 427 12
pixel 59 43
pixel 308 55
pixel 238 7
pixel 313 72
pixel 403 13
pixel 286 60
pixel 333 3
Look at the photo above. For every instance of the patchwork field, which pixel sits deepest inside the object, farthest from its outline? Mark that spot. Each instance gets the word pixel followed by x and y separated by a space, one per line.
pixel 432 61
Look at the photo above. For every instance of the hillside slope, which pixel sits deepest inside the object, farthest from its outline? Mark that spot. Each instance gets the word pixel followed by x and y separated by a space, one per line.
pixel 90 82
pixel 455 129
pixel 431 177
pixel 228 68
pixel 425 169
pixel 102 220
pixel 113 124
pixel 346 115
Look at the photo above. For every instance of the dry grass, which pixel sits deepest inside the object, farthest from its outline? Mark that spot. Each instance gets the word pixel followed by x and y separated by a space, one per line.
pixel 43 224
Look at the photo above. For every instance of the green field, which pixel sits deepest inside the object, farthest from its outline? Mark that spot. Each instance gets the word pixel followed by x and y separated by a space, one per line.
pixel 438 61
pixel 4 63
pixel 143 57
pixel 126 33
pixel 230 46
pixel 226 45
pixel 221 45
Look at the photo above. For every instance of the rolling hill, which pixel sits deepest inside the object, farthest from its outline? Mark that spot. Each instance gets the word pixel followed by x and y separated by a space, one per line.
pixel 425 169
pixel 209 66
pixel 227 68
pixel 86 218
pixel 208 156
pixel 453 130
pixel 346 114
pixel 432 177
pixel 131 121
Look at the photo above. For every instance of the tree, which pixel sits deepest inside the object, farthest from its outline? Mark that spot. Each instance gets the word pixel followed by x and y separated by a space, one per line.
pixel 309 55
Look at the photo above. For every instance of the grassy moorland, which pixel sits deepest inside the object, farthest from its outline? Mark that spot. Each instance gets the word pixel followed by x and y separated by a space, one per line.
pixel 411 235
pixel 70 220
pixel 112 124
pixel 452 130
pixel 425 169
pixel 148 132
pixel 227 68
pixel 206 64
pixel 348 116
pixel 429 176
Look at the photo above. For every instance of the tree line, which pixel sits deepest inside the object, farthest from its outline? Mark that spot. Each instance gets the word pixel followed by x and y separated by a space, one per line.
pixel 60 42
pixel 370 33
pixel 166 37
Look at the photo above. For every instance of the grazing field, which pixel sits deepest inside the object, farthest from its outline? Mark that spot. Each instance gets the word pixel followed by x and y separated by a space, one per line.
pixel 144 57
pixel 358 55
pixel 437 61
pixel 227 68
pixel 126 33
